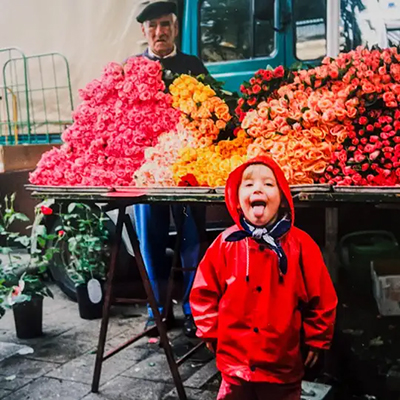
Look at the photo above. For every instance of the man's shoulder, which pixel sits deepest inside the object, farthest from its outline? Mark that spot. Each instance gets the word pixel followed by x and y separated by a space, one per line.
pixel 189 56
pixel 191 60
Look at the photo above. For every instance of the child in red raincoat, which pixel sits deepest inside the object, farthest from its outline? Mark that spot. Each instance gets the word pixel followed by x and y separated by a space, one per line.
pixel 260 283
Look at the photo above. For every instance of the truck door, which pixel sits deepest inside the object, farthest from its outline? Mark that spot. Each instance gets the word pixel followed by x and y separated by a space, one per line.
pixel 234 37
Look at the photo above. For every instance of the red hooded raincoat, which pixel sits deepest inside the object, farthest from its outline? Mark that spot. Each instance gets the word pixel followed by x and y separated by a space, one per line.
pixel 257 322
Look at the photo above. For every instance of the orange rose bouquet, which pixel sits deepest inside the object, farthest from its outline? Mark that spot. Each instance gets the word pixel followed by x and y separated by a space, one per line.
pixel 207 110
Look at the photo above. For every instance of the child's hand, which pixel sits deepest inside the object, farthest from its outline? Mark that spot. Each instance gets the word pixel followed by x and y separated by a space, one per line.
pixel 211 346
pixel 312 358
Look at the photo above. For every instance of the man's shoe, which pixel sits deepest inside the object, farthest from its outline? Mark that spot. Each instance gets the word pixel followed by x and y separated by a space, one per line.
pixel 189 327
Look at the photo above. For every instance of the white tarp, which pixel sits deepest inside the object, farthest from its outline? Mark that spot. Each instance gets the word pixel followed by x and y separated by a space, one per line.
pixel 89 33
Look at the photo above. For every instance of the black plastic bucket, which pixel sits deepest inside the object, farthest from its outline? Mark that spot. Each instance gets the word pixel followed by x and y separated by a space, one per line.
pixel 28 317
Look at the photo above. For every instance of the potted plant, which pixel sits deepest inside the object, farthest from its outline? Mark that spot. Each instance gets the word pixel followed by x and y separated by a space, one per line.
pixel 22 286
pixel 3 291
pixel 83 233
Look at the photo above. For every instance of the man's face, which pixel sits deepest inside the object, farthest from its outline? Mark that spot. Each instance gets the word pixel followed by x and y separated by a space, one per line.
pixel 161 34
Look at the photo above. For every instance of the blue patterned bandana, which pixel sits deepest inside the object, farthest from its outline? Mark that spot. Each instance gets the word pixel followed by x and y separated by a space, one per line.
pixel 268 235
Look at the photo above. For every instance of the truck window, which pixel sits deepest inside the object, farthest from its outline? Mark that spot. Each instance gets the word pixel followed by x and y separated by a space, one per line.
pixel 229 31
pixel 369 23
pixel 310 29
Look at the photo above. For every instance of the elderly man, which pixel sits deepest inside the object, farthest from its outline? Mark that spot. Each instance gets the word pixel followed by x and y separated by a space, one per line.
pixel 160 28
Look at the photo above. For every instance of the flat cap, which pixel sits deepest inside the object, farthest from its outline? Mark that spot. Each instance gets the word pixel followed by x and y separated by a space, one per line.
pixel 156 10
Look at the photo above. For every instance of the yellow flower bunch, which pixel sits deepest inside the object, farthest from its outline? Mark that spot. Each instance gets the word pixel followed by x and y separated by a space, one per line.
pixel 186 91
pixel 212 165
pixel 204 113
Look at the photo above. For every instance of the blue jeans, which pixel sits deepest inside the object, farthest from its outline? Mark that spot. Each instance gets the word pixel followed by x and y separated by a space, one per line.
pixel 152 227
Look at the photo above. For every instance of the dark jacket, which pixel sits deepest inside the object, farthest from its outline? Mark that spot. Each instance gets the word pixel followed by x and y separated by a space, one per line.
pixel 181 63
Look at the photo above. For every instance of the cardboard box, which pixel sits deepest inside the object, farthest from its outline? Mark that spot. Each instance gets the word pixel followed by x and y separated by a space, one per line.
pixel 22 157
pixel 386 286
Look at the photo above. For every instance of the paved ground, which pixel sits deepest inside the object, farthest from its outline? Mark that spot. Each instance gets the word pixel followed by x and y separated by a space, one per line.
pixel 61 364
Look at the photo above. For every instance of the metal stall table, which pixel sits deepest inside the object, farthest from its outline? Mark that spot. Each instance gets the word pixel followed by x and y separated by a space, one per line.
pixel 120 198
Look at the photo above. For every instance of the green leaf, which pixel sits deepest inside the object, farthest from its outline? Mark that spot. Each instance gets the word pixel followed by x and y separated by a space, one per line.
pixel 18 217
pixel 41 241
pixel 71 207
pixel 49 293
pixel 71 216
pixel 72 244
pixel 24 240
pixel 22 298
pixel 40 230
pixel 5 250
pixel 291 121
pixel 50 253
pixel 42 266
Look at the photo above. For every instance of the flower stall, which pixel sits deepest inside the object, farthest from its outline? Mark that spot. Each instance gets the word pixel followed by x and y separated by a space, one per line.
pixel 334 129
pixel 334 124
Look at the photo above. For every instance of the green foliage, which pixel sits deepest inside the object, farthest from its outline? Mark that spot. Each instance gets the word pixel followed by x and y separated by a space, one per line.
pixel 21 277
pixel 83 233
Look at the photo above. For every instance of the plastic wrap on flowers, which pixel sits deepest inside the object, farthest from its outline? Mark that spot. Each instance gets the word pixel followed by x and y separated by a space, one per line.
pixel 370 155
pixel 121 114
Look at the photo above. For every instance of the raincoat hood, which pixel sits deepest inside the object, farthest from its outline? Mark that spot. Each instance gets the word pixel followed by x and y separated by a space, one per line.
pixel 235 178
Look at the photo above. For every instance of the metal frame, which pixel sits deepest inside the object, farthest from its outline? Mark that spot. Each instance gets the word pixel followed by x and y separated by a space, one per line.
pixel 17 83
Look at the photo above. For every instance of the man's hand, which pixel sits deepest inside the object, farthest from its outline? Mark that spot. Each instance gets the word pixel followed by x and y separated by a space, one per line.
pixel 312 358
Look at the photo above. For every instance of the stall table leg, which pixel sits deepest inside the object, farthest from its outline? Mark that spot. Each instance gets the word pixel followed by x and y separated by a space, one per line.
pixel 331 238
pixel 123 218
pixel 157 316
pixel 107 301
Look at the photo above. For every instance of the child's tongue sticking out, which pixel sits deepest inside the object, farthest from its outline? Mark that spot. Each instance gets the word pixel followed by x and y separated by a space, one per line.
pixel 259 195
pixel 258 209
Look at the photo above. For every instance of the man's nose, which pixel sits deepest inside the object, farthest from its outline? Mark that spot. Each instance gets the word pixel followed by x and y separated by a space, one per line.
pixel 159 30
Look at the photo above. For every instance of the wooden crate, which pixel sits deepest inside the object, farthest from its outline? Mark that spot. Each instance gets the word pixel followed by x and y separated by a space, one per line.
pixel 22 157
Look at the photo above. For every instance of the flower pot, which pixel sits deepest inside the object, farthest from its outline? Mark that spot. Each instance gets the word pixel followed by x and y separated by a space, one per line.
pixel 87 309
pixel 28 317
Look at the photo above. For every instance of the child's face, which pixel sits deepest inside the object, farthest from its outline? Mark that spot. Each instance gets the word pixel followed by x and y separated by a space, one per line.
pixel 259 195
